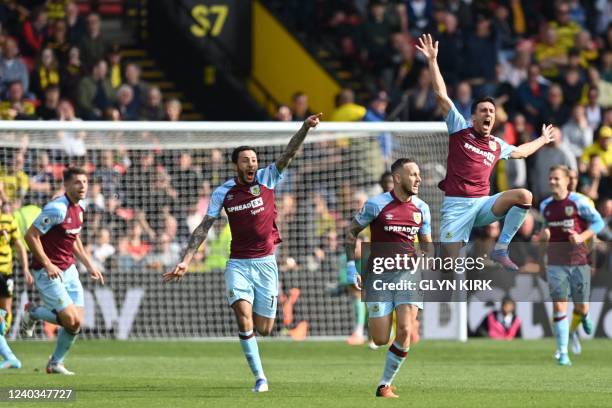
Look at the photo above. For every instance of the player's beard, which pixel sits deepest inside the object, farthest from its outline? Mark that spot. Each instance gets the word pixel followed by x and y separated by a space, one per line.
pixel 407 190
pixel 242 176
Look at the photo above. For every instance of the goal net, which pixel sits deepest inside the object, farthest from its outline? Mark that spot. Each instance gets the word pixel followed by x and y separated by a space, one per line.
pixel 150 185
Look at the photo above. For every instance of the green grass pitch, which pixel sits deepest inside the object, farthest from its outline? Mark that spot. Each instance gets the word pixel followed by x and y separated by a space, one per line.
pixel 114 374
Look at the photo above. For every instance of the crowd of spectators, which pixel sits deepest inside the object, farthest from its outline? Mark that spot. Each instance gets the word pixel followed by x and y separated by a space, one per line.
pixel 51 55
pixel 56 64
pixel 143 204
pixel 543 61
pixel 140 205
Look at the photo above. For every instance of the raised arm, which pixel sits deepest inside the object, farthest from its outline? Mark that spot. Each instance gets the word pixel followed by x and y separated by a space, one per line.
pixel 527 149
pixel 195 240
pixel 429 49
pixel 296 141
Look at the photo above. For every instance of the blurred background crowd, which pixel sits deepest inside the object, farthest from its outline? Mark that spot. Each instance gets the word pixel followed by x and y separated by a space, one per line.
pixel 543 61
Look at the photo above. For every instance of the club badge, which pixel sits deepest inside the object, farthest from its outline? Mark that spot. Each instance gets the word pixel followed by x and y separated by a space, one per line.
pixel 417 217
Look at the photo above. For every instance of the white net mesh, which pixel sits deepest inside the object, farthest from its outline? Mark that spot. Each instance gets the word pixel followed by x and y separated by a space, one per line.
pixel 150 185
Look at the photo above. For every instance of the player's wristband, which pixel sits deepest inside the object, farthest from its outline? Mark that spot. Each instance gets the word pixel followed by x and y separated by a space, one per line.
pixel 351 272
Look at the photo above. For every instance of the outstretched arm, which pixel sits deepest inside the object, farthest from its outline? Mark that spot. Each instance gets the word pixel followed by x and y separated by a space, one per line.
pixel 527 149
pixel 429 49
pixel 296 141
pixel 195 240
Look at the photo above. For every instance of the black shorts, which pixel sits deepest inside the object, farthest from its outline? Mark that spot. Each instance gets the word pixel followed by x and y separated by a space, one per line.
pixel 7 285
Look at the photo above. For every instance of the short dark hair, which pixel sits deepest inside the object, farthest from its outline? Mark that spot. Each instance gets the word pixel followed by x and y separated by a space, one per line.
pixel 297 95
pixel 239 149
pixel 399 163
pixel 384 176
pixel 70 172
pixel 16 81
pixel 52 88
pixel 479 101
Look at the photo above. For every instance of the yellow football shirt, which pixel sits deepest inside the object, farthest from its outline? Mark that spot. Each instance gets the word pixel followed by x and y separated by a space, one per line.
pixel 9 233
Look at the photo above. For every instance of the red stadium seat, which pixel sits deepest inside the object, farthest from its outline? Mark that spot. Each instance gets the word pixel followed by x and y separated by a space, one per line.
pixel 126 213
pixel 84 7
pixel 89 167
pixel 57 170
pixel 110 7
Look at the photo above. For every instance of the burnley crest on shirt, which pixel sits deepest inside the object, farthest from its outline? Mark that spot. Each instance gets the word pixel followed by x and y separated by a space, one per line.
pixel 569 210
pixel 255 190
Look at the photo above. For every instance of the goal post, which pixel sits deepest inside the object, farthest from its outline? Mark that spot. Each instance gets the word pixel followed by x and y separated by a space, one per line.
pixel 150 184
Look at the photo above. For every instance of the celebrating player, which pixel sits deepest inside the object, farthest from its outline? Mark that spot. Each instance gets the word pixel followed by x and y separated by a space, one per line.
pixel 9 235
pixel 570 221
pixel 251 274
pixel 574 336
pixel 54 240
pixel 472 154
pixel 395 217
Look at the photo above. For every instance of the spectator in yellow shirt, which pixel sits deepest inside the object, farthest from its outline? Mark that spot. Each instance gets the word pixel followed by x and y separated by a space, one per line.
pixel 551 53
pixel 16 106
pixel 587 49
pixel 600 148
pixel 565 27
pixel 14 182
pixel 347 110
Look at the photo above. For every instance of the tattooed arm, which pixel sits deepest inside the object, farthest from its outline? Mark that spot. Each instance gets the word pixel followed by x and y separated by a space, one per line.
pixel 349 245
pixel 351 239
pixel 296 142
pixel 195 240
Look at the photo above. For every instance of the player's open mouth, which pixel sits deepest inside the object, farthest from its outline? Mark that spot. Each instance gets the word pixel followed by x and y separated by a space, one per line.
pixel 487 122
pixel 250 174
